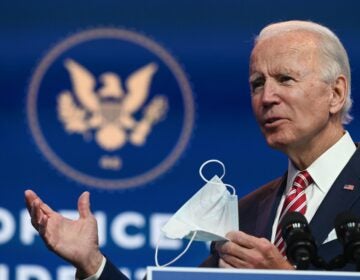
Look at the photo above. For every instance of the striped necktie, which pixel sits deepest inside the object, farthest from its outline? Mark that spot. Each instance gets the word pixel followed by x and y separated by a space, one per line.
pixel 295 201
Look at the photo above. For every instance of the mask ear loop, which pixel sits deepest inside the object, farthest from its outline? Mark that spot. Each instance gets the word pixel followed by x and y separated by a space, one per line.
pixel 206 163
pixel 222 176
pixel 232 188
pixel 176 258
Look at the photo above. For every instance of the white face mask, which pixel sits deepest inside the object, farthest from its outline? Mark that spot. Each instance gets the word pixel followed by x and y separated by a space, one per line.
pixel 207 216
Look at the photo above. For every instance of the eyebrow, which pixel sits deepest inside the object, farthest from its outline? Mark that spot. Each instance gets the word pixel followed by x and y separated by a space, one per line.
pixel 254 76
pixel 278 70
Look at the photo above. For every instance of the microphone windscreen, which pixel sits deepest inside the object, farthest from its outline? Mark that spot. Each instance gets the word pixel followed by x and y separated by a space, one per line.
pixel 293 217
pixel 344 218
pixel 300 245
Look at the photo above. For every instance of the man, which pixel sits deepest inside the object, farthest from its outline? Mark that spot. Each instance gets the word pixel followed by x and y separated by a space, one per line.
pixel 300 88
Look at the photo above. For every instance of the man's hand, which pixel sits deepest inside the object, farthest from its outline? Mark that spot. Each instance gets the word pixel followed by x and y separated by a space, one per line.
pixel 74 241
pixel 246 251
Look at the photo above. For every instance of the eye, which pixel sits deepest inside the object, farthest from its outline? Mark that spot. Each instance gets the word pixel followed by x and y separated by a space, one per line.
pixel 285 79
pixel 257 83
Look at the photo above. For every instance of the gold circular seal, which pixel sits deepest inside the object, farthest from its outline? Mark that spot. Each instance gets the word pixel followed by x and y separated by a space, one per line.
pixel 140 41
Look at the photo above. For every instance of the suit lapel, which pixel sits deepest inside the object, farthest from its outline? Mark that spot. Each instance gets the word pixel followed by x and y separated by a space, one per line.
pixel 338 199
pixel 267 209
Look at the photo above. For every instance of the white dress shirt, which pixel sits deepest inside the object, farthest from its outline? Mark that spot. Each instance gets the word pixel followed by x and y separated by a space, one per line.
pixel 324 171
pixel 97 275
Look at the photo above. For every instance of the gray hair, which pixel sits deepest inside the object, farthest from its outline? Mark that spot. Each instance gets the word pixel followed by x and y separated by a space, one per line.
pixel 335 60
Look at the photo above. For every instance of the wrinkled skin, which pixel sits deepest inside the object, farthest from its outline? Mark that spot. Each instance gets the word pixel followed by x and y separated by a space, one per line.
pixel 297 110
pixel 74 241
pixel 299 113
pixel 246 251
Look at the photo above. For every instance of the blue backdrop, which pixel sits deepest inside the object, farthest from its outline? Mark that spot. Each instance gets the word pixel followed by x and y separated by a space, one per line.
pixel 201 51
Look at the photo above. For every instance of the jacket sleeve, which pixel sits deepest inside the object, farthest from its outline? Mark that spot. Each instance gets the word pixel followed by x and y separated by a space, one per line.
pixel 111 272
pixel 213 259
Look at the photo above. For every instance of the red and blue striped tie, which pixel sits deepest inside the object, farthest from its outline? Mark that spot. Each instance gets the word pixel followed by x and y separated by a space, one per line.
pixel 295 201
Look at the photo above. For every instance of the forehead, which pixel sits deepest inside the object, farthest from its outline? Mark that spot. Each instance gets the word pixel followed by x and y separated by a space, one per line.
pixel 285 49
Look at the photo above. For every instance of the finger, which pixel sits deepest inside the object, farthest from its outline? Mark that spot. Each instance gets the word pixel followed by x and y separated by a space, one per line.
pixel 46 209
pixel 236 255
pixel 229 248
pixel 30 196
pixel 36 214
pixel 43 207
pixel 262 245
pixel 224 264
pixel 242 239
pixel 84 205
pixel 219 245
pixel 43 225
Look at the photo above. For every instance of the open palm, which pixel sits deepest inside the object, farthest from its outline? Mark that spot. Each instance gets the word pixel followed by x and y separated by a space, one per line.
pixel 76 241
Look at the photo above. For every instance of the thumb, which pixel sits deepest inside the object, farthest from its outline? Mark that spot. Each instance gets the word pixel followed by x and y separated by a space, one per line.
pixel 84 205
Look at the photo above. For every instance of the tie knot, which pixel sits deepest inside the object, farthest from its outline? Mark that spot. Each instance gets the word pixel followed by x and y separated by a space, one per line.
pixel 302 180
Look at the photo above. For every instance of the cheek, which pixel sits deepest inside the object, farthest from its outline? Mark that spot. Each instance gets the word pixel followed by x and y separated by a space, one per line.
pixel 256 107
pixel 315 109
pixel 318 97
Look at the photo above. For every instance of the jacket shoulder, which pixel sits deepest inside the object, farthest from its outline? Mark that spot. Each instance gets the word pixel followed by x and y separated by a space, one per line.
pixel 263 191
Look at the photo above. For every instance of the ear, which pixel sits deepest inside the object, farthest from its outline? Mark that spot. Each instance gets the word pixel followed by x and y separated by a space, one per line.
pixel 338 94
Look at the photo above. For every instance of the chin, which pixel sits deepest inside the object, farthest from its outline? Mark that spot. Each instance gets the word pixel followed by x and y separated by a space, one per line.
pixel 277 142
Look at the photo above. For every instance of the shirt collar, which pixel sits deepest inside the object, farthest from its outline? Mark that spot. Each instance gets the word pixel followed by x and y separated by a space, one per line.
pixel 326 168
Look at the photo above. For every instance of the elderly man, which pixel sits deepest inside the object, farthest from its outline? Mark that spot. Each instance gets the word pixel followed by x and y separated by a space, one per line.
pixel 300 89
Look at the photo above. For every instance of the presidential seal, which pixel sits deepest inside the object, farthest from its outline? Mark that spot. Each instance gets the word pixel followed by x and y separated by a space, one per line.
pixel 110 108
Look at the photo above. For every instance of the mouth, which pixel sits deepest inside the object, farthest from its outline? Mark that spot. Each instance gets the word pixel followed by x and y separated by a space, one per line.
pixel 273 122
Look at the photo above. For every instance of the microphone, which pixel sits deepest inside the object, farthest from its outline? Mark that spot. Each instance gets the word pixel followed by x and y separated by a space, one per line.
pixel 301 249
pixel 347 227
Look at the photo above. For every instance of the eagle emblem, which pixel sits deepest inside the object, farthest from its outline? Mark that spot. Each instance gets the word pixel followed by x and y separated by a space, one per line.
pixel 105 110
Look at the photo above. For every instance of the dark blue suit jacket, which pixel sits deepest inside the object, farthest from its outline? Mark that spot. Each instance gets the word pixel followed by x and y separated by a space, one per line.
pixel 257 210
pixel 257 213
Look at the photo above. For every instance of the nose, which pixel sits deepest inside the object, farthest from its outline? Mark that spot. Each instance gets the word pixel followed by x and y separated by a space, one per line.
pixel 270 94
